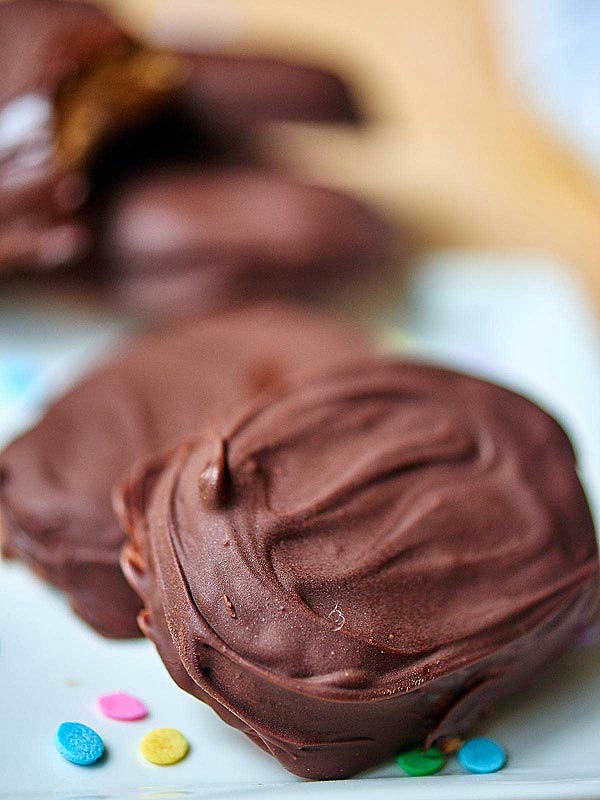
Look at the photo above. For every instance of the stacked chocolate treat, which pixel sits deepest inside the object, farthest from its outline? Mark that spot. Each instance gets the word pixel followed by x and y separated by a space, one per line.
pixel 343 553
pixel 133 170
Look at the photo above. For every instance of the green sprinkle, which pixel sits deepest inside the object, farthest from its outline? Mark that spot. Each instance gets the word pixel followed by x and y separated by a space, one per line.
pixel 419 762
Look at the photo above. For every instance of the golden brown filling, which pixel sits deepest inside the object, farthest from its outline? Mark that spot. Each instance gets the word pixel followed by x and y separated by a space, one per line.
pixel 112 95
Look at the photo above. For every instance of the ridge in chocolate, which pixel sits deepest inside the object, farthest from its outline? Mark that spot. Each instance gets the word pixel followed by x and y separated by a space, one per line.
pixel 399 547
pixel 56 480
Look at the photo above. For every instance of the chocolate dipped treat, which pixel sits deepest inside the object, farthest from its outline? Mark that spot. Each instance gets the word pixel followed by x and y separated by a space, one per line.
pixel 71 80
pixel 196 238
pixel 364 564
pixel 56 480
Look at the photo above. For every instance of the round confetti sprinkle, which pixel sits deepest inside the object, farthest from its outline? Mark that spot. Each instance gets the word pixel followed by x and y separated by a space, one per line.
pixel 17 375
pixel 78 743
pixel 164 746
pixel 122 706
pixel 421 762
pixel 481 756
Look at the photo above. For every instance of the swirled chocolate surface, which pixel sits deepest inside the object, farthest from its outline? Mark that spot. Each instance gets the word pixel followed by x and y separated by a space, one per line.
pixel 365 563
pixel 55 480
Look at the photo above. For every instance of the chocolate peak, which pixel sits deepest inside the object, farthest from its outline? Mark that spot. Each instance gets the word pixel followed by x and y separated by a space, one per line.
pixel 214 481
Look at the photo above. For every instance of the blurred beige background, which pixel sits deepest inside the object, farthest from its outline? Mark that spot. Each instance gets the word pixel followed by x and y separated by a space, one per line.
pixel 450 149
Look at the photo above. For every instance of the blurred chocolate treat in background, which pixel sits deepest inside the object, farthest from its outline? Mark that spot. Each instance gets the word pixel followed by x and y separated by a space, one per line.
pixel 195 239
pixel 56 479
pixel 86 112
pixel 240 91
pixel 71 80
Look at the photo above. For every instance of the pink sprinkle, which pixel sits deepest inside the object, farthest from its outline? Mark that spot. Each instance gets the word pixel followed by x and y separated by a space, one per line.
pixel 122 706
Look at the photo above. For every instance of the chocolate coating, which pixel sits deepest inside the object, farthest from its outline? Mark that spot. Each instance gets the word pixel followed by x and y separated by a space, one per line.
pixel 43 43
pixel 200 238
pixel 240 91
pixel 365 563
pixel 73 84
pixel 56 480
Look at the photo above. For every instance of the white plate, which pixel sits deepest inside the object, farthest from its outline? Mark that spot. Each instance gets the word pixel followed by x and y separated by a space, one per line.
pixel 528 328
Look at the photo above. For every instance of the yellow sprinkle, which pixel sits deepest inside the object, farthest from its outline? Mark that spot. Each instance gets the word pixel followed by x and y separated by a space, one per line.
pixel 164 746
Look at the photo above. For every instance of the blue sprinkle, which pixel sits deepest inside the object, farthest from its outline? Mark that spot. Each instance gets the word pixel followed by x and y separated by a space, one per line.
pixel 481 756
pixel 19 376
pixel 78 743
